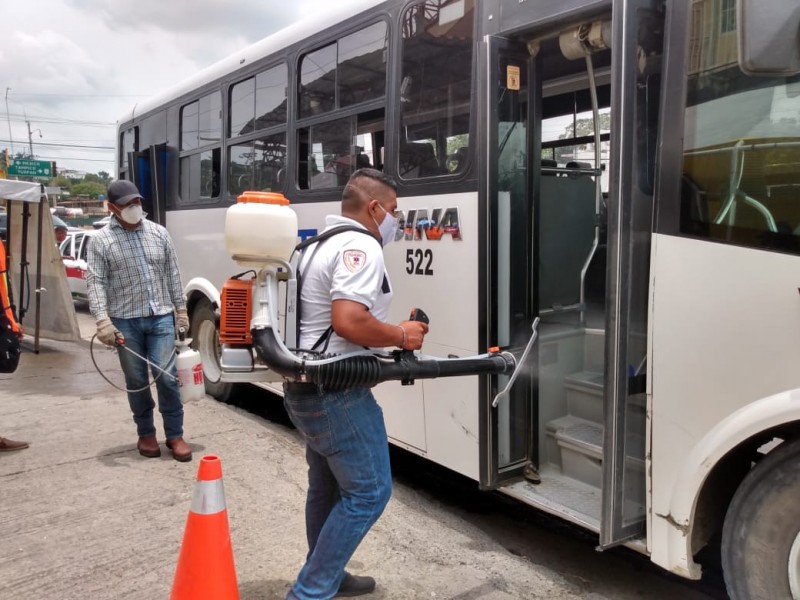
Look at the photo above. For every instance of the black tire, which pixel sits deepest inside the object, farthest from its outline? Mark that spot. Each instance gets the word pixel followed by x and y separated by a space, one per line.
pixel 761 535
pixel 205 339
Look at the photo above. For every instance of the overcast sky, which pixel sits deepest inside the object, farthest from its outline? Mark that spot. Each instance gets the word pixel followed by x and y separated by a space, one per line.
pixel 71 68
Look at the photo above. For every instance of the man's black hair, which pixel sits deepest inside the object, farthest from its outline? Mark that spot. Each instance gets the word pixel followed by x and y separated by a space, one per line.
pixel 375 175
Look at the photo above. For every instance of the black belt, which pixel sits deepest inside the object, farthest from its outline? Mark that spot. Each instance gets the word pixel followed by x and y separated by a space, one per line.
pixel 298 387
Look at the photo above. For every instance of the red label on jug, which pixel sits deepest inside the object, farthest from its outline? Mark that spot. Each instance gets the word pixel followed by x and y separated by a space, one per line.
pixel 197 372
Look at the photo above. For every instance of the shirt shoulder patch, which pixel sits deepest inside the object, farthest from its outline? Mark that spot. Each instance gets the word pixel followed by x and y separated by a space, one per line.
pixel 354 260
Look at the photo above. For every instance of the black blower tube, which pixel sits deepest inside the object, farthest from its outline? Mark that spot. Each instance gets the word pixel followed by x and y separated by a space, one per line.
pixel 367 371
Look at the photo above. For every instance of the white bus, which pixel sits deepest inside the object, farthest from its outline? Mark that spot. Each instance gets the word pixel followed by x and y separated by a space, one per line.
pixel 624 170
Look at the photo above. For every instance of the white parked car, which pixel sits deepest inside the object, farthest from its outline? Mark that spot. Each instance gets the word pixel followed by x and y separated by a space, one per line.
pixel 73 253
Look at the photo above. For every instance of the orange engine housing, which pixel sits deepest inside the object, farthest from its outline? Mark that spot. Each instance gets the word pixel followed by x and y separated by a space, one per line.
pixel 234 327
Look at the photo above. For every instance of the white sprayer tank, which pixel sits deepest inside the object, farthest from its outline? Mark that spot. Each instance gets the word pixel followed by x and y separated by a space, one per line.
pixel 259 226
pixel 190 372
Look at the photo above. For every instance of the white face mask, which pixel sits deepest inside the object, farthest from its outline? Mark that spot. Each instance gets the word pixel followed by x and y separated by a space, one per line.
pixel 132 214
pixel 387 228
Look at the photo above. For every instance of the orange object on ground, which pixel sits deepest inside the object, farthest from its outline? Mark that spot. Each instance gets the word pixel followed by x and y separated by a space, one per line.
pixel 205 568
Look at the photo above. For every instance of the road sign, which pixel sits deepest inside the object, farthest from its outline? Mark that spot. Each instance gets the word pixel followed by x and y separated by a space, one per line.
pixel 23 167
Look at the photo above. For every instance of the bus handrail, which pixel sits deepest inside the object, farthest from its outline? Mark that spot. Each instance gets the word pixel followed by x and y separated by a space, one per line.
pixel 598 193
pixel 741 145
pixel 571 171
pixel 737 171
pixel 562 308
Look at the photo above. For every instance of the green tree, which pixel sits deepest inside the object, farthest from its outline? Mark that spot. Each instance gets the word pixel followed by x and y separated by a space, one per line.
pixel 457 141
pixel 92 189
pixel 105 178
pixel 585 127
pixel 61 181
pixel 581 128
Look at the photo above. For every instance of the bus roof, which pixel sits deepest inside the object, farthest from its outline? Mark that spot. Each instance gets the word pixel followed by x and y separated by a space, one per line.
pixel 273 43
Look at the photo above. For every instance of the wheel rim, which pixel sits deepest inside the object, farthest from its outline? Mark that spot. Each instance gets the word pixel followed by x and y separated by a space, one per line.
pixel 794 568
pixel 208 347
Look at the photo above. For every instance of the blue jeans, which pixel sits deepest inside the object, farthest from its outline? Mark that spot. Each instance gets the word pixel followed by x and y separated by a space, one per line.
pixel 349 481
pixel 154 338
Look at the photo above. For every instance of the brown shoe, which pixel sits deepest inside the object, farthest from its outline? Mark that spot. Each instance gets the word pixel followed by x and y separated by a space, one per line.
pixel 180 449
pixel 148 446
pixel 7 445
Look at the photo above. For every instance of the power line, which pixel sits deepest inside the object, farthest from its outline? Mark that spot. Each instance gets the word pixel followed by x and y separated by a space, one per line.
pixel 68 145
pixel 16 118
pixel 70 158
pixel 37 117
pixel 41 121
pixel 73 140
pixel 83 95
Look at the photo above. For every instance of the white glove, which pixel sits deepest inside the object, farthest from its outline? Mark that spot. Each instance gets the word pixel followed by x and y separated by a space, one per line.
pixel 107 333
pixel 182 320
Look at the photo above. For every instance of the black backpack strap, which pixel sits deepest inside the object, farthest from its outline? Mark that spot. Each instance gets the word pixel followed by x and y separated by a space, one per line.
pixel 321 237
pixel 325 337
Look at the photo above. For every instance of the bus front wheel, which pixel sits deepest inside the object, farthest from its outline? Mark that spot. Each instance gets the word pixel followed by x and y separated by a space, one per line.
pixel 205 339
pixel 761 534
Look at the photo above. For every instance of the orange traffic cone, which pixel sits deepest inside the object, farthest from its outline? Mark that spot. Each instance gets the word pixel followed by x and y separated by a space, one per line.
pixel 205 565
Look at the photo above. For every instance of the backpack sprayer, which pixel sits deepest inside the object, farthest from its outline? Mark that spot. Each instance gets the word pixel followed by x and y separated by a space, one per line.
pixel 250 322
pixel 189 369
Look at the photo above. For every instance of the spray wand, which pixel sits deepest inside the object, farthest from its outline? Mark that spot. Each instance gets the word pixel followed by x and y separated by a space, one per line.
pixel 186 361
pixel 121 344
pixel 504 392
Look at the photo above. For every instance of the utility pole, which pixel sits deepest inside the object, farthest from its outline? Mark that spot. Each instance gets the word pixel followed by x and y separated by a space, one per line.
pixel 30 136
pixel 8 117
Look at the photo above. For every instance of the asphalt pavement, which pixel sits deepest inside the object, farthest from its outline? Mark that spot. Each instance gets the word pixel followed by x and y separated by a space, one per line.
pixel 84 516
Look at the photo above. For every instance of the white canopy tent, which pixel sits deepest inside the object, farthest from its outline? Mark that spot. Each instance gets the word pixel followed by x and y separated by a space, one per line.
pixel 31 242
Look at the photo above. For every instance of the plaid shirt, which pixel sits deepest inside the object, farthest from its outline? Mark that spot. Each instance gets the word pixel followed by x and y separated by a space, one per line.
pixel 133 273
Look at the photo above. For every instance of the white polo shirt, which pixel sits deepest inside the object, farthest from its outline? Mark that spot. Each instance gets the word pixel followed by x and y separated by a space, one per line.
pixel 347 266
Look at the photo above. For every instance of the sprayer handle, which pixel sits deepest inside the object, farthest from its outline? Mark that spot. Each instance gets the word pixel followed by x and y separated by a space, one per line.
pixel 181 334
pixel 417 314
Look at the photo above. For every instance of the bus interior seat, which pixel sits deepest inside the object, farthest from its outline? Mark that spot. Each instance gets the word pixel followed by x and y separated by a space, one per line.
pixel 566 234
pixel 548 163
pixel 576 164
pixel 457 161
pixel 362 161
pixel 694 207
pixel 418 159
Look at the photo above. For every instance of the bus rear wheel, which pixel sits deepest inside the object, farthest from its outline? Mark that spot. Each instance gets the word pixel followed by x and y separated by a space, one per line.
pixel 761 534
pixel 205 339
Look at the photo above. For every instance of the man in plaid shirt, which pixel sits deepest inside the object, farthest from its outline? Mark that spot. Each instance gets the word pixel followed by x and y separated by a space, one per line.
pixel 134 288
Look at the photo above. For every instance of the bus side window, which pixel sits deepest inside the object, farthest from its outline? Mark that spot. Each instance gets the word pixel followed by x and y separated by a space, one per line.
pixel 330 155
pixel 200 147
pixel 330 152
pixel 740 181
pixel 434 89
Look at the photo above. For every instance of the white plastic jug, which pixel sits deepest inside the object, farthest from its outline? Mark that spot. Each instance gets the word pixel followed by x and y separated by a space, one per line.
pixel 260 225
pixel 190 372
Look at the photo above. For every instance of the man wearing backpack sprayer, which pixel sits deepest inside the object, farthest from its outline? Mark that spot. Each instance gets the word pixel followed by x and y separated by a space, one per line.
pixel 344 302
pixel 134 286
